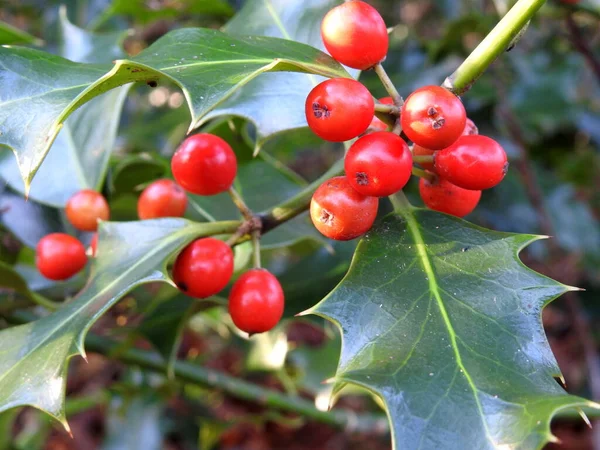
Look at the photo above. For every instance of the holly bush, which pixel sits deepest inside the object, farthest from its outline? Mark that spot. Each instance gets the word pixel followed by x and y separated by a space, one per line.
pixel 195 137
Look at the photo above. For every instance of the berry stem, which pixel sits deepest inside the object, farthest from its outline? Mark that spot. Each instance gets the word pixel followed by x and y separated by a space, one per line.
pixel 420 159
pixel 43 301
pixel 240 203
pixel 299 203
pixel 423 174
pixel 496 42
pixel 388 109
pixel 256 248
pixel 399 201
pixel 388 85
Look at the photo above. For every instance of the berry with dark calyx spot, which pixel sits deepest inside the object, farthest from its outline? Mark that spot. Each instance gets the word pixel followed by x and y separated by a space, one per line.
pixel 433 117
pixel 341 213
pixel 204 164
pixel 473 162
pixel 203 268
pixel 85 208
pixel 355 34
pixel 59 256
pixel 378 164
pixel 470 128
pixel 377 124
pixel 441 195
pixel 339 109
pixel 162 198
pixel 256 301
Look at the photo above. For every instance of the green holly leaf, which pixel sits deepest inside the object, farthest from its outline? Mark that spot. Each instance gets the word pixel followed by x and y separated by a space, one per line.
pixel 79 155
pixel 13 35
pixel 42 90
pixel 439 316
pixel 144 12
pixel 33 362
pixel 275 102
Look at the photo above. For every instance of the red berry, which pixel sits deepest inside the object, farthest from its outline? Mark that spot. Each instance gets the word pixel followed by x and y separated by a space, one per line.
pixel 339 109
pixel 473 162
pixel 59 256
pixel 378 164
pixel 94 244
pixel 204 164
pixel 470 128
pixel 376 123
pixel 355 34
pixel 433 117
pixel 162 198
pixel 341 213
pixel 85 208
pixel 256 301
pixel 203 268
pixel 441 195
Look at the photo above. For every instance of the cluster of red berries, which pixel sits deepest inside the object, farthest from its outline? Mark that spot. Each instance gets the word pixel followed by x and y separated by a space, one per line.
pixel 204 164
pixel 459 162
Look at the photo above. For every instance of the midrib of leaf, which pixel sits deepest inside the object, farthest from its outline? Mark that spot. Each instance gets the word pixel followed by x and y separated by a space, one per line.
pixel 212 63
pixel 283 30
pixel 415 231
pixel 172 237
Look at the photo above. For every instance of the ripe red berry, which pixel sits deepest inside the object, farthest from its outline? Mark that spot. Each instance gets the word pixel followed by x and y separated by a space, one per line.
pixel 59 256
pixel 339 109
pixel 377 124
pixel 94 244
pixel 470 128
pixel 162 198
pixel 203 268
pixel 85 208
pixel 256 301
pixel 204 164
pixel 473 162
pixel 341 213
pixel 378 164
pixel 441 195
pixel 433 117
pixel 355 34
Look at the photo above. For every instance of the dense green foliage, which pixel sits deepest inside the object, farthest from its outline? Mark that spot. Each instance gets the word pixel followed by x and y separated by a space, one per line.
pixel 438 318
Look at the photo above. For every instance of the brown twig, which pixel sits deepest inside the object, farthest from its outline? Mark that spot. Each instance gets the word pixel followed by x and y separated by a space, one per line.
pixel 580 43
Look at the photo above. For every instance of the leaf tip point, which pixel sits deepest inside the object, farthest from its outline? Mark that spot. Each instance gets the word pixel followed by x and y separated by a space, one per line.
pixel 584 417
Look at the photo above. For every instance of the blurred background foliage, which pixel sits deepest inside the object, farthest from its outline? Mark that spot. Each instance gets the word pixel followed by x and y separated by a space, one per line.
pixel 541 101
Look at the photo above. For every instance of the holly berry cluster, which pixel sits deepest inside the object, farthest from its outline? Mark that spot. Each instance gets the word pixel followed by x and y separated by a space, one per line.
pixel 459 163
pixel 204 164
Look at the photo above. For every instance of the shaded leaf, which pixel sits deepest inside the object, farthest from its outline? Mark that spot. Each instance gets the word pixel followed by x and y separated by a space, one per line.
pixel 440 316
pixel 27 220
pixel 275 102
pixel 140 9
pixel 77 44
pixel 135 425
pixel 10 279
pixel 80 153
pixel 33 362
pixel 208 65
pixel 13 35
